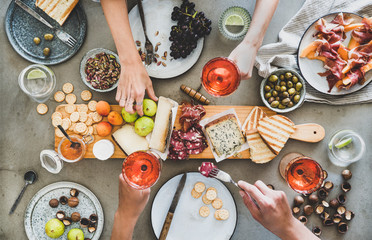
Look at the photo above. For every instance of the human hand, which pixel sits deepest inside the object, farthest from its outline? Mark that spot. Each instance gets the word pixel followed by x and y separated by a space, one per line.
pixel 244 56
pixel 273 211
pixel 131 201
pixel 133 83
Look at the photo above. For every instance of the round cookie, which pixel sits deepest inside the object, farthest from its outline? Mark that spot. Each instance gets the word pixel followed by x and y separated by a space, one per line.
pixel 204 211
pixel 195 194
pixel 56 114
pixel 58 133
pixel 56 121
pixel 92 105
pixel 82 108
pixel 59 96
pixel 205 200
pixel 86 95
pixel 199 187
pixel 221 214
pixel 71 98
pixel 96 117
pixel 80 128
pixel 70 108
pixel 66 123
pixel 42 109
pixel 211 194
pixel 68 88
pixel 74 117
pixel 83 116
pixel 217 203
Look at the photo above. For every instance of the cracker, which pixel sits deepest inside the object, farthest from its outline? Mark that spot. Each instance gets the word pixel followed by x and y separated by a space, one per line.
pixel 71 98
pixel 92 105
pixel 90 130
pixel 68 88
pixel 72 127
pixel 205 200
pixel 222 214
pixel 199 187
pixel 42 108
pixel 82 108
pixel 56 121
pixel 86 131
pixel 86 95
pixel 94 129
pixel 56 114
pixel 96 117
pixel 204 211
pixel 66 123
pixel 80 127
pixel 59 96
pixel 83 116
pixel 74 117
pixel 216 215
pixel 217 203
pixel 58 133
pixel 195 194
pixel 89 121
pixel 211 194
pixel 70 108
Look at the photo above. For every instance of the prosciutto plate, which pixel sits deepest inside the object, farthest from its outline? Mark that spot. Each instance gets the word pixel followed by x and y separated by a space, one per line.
pixel 335 53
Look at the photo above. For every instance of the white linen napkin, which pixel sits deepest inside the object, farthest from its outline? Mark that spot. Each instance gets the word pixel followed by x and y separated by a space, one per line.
pixel 283 53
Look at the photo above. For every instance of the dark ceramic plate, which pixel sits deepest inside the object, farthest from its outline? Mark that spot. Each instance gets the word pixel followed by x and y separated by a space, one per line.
pixel 21 28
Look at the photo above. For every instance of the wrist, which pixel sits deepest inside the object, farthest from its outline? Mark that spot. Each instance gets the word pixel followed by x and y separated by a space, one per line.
pixel 125 216
pixel 292 230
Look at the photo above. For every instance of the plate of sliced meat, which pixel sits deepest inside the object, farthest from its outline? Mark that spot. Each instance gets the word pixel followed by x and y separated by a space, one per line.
pixel 335 53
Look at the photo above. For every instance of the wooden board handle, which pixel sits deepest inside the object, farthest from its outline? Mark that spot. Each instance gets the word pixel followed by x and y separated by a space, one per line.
pixel 166 226
pixel 308 132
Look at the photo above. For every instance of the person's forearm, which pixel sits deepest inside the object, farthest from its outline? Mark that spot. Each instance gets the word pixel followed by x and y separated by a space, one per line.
pixel 116 13
pixel 296 231
pixel 123 227
pixel 263 12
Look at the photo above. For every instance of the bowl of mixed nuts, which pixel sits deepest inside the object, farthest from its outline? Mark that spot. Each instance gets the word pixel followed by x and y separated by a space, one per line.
pixel 100 70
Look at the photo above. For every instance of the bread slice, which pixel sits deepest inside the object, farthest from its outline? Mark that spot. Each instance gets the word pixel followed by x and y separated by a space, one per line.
pixel 251 122
pixel 260 152
pixel 129 141
pixel 225 135
pixel 162 125
pixel 275 131
pixel 59 10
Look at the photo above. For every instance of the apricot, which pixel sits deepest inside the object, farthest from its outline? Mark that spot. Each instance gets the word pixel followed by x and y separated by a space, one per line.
pixel 103 108
pixel 104 129
pixel 115 118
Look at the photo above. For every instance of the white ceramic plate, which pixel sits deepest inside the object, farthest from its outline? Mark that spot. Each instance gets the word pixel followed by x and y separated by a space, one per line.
pixel 187 223
pixel 38 211
pixel 310 68
pixel 158 18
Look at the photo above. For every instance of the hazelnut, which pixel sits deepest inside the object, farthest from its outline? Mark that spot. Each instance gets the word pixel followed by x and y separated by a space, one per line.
pixel 346 187
pixel 73 201
pixel 271 186
pixel 67 221
pixel 342 227
pixel 341 210
pixel 296 210
pixel 302 219
pixel 322 193
pixel 84 222
pixel 325 174
pixel 324 215
pixel 328 222
pixel 346 174
pixel 75 216
pixel 313 199
pixel 93 218
pixel 92 227
pixel 328 186
pixel 337 218
pixel 319 209
pixel 349 215
pixel 60 215
pixel 298 200
pixel 325 203
pixel 53 203
pixel 334 203
pixel 74 192
pixel 341 199
pixel 63 200
pixel 317 231
pixel 308 210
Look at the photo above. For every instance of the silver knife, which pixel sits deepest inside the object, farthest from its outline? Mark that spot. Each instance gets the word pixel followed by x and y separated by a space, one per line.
pixel 172 208
pixel 32 12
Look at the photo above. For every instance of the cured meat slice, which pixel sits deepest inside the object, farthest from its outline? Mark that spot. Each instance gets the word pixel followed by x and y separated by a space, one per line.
pixel 206 168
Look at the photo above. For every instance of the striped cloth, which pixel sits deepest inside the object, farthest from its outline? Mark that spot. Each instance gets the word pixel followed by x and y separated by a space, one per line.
pixel 283 53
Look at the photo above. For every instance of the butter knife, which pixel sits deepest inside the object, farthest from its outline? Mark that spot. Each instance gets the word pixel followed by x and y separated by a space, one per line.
pixel 32 12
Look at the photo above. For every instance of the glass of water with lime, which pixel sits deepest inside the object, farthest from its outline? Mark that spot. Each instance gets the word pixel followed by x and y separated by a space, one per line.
pixel 234 23
pixel 38 82
pixel 345 147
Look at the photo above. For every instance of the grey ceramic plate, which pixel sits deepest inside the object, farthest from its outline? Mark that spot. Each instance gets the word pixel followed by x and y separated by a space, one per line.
pixel 38 211
pixel 21 28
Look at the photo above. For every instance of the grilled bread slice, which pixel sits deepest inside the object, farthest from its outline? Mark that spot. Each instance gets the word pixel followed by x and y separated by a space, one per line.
pixel 260 152
pixel 275 131
pixel 59 10
pixel 225 135
pixel 251 122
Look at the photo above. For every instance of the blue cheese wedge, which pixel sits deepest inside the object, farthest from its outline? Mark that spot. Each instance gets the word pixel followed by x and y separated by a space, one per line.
pixel 225 135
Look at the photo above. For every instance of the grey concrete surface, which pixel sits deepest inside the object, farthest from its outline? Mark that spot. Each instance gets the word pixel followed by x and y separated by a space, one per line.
pixel 24 133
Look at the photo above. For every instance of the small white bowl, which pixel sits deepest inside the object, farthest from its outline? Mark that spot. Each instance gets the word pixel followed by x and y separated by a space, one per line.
pixel 103 149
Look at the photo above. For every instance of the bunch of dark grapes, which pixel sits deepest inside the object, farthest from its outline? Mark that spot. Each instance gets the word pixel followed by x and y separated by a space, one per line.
pixel 191 25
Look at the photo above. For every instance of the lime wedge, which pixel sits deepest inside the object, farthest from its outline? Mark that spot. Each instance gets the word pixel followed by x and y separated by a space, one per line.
pixel 343 143
pixel 330 145
pixel 36 74
pixel 234 20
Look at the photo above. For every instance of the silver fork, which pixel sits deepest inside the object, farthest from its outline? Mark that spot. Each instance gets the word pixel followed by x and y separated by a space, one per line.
pixel 148 45
pixel 62 35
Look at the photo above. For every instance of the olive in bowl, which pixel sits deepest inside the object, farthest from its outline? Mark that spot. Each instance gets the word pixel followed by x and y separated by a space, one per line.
pixel 283 91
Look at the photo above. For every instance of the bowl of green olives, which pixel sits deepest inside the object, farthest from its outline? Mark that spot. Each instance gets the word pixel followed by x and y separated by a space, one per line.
pixel 283 91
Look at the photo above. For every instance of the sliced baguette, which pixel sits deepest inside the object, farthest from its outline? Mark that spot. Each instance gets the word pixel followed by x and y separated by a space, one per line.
pixel 162 125
pixel 275 131
pixel 260 152
pixel 251 122
pixel 59 10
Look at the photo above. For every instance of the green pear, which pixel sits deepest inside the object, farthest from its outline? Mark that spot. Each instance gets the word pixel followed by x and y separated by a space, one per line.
pixel 129 117
pixel 143 126
pixel 75 234
pixel 54 228
pixel 149 107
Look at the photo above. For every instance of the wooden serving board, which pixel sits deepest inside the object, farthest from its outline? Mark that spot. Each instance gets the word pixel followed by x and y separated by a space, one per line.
pixel 241 111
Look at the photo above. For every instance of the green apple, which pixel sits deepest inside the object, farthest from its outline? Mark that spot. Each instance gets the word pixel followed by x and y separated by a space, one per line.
pixel 143 126
pixel 54 228
pixel 149 107
pixel 129 117
pixel 75 234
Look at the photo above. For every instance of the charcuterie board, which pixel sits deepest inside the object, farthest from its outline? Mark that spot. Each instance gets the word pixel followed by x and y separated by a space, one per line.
pixel 242 112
